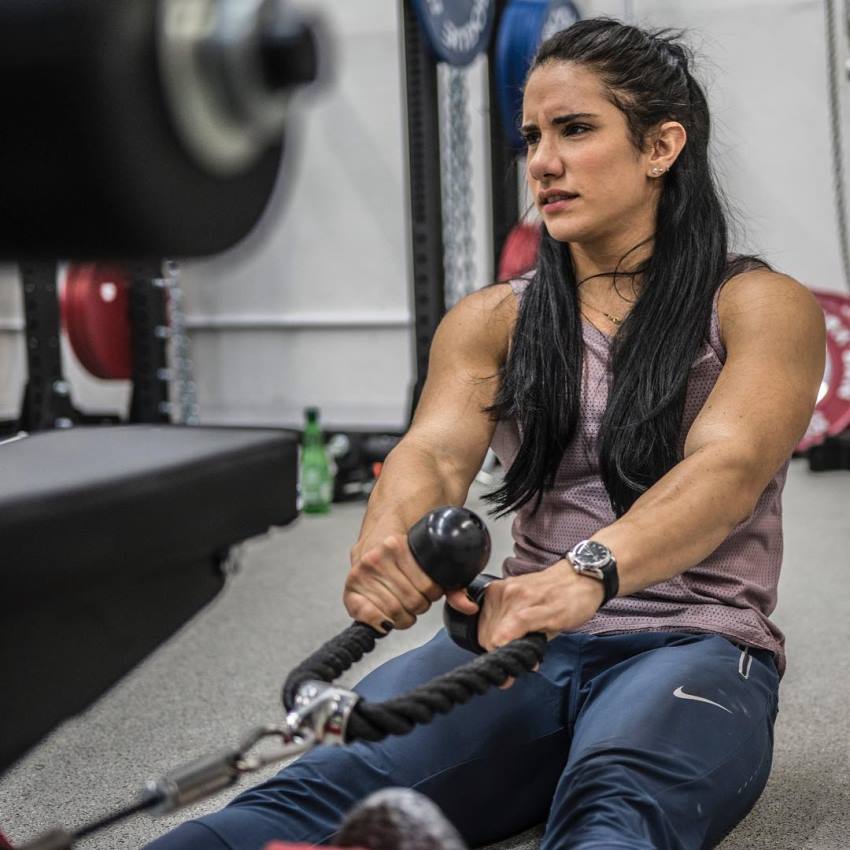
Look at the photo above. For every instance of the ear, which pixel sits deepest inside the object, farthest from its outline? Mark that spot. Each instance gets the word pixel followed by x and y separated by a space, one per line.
pixel 667 142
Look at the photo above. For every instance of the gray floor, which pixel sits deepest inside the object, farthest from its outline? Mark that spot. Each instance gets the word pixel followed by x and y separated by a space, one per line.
pixel 221 674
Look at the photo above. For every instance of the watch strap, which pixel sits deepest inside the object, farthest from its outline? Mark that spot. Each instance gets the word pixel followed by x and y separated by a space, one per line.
pixel 610 581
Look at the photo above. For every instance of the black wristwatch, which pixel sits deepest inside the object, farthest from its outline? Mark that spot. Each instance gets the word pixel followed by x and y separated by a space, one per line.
pixel 591 558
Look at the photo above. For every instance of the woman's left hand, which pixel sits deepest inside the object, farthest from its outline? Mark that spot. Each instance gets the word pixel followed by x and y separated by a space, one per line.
pixel 551 601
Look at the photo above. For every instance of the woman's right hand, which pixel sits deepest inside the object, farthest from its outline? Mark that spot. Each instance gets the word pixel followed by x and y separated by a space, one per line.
pixel 387 589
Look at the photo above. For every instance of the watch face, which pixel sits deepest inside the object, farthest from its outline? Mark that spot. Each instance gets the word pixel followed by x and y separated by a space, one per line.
pixel 592 554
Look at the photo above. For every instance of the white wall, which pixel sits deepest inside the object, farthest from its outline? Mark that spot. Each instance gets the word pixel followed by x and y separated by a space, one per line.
pixel 271 317
pixel 764 62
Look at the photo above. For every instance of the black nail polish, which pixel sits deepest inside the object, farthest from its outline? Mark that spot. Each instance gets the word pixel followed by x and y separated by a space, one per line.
pixel 387 626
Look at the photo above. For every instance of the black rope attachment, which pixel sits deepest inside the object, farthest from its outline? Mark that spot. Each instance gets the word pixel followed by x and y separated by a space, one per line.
pixel 397 716
pixel 331 659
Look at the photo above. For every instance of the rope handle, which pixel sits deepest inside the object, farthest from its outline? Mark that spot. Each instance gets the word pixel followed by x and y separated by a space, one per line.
pixel 399 715
pixel 452 546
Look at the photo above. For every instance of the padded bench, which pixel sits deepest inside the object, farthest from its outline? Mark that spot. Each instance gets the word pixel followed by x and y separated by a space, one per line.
pixel 110 539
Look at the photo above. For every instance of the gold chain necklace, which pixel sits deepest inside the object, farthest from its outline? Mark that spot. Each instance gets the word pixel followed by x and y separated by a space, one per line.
pixel 613 319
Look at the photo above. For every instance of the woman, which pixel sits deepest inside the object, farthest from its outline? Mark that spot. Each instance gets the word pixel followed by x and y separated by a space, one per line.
pixel 645 393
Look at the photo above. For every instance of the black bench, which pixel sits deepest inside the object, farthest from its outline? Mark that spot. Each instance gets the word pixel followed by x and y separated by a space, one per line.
pixel 110 539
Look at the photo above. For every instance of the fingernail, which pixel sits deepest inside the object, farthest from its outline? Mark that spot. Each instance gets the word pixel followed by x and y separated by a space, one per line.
pixel 387 626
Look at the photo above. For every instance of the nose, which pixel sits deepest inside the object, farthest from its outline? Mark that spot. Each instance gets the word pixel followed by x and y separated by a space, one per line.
pixel 544 161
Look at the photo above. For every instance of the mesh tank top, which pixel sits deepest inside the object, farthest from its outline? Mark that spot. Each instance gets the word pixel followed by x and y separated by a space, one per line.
pixel 732 592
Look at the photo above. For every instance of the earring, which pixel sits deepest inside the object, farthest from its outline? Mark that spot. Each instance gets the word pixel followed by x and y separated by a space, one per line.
pixel 657 170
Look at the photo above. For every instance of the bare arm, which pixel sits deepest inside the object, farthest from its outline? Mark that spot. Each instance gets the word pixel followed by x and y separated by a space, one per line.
pixel 435 462
pixel 759 408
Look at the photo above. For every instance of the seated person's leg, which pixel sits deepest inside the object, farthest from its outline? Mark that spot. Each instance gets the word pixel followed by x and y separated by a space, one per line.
pixel 491 765
pixel 671 747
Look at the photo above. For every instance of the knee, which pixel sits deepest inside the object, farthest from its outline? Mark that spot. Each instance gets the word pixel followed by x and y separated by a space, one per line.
pixel 601 802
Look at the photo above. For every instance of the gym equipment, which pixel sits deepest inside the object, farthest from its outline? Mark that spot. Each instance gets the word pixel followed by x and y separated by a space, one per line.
pixel 122 144
pixel 398 819
pixel 423 166
pixel 95 305
pixel 143 128
pixel 97 315
pixel 392 819
pixel 834 99
pixel 452 545
pixel 525 24
pixel 519 254
pixel 457 30
pixel 458 194
pixel 356 455
pixel 113 537
pixel 832 411
pixel 47 398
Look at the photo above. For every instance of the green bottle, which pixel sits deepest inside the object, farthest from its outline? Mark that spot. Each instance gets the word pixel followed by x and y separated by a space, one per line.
pixel 316 477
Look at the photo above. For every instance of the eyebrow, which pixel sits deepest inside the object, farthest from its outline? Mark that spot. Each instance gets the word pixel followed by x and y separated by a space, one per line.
pixel 560 119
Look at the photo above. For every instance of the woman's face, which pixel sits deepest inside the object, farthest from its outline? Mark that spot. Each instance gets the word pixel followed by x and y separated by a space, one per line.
pixel 579 145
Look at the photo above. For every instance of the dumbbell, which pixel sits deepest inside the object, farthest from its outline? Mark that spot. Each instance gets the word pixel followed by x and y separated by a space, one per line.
pixel 452 546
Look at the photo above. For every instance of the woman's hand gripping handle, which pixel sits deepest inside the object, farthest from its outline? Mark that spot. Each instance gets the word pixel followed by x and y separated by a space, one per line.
pixel 391 583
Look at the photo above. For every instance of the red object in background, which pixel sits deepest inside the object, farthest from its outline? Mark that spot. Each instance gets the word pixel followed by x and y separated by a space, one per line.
pixel 519 253
pixel 832 412
pixel 4 844
pixel 96 316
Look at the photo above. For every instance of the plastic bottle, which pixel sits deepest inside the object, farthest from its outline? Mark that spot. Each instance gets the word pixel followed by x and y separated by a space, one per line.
pixel 316 476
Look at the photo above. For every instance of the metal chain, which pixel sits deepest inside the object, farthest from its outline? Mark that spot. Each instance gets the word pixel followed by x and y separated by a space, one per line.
pixel 456 180
pixel 180 356
pixel 837 147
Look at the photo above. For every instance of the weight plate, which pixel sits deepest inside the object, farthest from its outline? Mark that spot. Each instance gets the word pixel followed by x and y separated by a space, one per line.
pixel 525 25
pixel 96 316
pixel 456 30
pixel 832 412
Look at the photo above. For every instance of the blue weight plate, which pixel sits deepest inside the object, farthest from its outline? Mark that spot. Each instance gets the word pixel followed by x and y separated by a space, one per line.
pixel 524 26
pixel 456 30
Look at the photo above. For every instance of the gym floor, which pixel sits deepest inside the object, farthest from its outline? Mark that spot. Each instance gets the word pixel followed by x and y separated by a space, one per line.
pixel 221 674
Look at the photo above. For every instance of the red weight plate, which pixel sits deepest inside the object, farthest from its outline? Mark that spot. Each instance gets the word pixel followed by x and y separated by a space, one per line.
pixel 832 412
pixel 96 316
pixel 519 253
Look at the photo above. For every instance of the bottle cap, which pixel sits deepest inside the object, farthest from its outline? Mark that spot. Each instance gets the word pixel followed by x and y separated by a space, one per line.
pixel 312 414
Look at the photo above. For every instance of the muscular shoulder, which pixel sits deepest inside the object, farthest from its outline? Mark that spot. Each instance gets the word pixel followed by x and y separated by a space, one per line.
pixel 481 323
pixel 773 330
pixel 763 302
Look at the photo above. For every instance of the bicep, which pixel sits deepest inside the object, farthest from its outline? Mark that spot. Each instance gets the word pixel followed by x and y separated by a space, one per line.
pixel 467 353
pixel 763 400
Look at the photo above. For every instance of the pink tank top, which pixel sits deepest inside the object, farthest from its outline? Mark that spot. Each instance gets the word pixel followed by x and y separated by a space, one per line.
pixel 732 592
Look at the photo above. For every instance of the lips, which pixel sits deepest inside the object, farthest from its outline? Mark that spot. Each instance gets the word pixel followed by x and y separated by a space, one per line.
pixel 555 196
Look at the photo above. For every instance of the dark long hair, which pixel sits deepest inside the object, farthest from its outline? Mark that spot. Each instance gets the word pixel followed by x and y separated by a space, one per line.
pixel 647 76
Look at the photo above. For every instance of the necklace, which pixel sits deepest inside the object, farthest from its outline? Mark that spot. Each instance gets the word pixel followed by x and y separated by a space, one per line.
pixel 613 319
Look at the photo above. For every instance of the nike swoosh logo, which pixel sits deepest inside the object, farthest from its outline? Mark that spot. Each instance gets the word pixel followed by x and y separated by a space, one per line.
pixel 682 695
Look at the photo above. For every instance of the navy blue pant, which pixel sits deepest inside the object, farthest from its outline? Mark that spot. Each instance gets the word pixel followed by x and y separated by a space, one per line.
pixel 648 741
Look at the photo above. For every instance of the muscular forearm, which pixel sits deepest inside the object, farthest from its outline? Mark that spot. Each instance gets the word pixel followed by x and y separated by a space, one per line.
pixel 684 517
pixel 411 483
